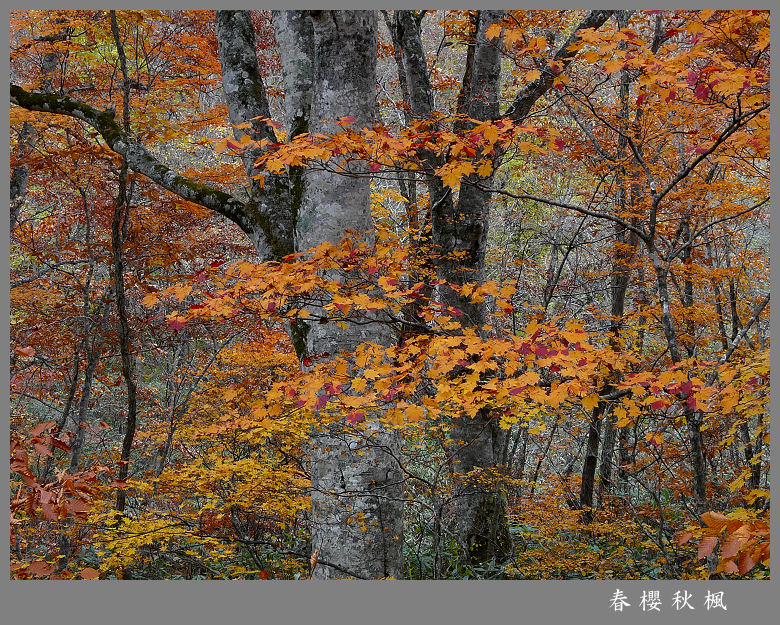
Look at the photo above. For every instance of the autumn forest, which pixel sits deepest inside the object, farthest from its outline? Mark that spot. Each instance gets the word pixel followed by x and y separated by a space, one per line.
pixel 399 294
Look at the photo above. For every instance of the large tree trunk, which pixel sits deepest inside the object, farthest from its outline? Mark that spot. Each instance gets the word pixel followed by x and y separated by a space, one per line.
pixel 479 501
pixel 357 492
pixel 461 229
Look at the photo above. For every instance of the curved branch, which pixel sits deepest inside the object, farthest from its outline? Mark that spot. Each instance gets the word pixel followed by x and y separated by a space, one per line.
pixel 580 209
pixel 141 160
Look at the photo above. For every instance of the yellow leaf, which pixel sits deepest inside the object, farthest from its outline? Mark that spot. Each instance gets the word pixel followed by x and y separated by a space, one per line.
pixel 590 402
pixel 414 413
pixel 622 417
pixel 181 291
pixel 484 169
pixel 491 133
pixel 493 31
pixel 150 300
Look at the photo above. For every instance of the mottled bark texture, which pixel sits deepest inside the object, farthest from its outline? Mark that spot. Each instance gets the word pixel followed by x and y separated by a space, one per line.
pixel 295 36
pixel 357 492
pixel 268 206
pixel 458 244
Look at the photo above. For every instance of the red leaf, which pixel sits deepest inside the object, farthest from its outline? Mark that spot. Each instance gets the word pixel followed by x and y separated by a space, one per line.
pixel 541 350
pixel 375 167
pixel 176 324
pixel 659 404
pixel 264 575
pixel 348 120
pixel 355 417
pixel 333 389
pixel 321 401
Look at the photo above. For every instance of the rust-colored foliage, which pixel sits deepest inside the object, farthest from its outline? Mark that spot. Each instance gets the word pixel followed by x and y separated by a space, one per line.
pixel 621 363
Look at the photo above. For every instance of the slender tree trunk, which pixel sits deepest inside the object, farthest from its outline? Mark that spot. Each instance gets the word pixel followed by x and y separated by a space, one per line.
pixel 589 465
pixel 118 235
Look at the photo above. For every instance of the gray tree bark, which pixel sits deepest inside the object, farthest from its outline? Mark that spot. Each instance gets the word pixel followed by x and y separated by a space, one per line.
pixel 357 491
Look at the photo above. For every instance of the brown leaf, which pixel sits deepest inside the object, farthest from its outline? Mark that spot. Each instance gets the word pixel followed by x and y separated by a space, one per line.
pixel 28 351
pixel 684 538
pixel 48 511
pixel 76 507
pixel 715 520
pixel 40 568
pixel 42 449
pixel 41 427
pixel 706 546
pixel 89 573
pixel 732 546
pixel 746 562
pixel 59 444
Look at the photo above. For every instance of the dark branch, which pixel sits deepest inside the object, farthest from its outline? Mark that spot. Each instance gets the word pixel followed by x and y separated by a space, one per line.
pixel 139 159
pixel 563 57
